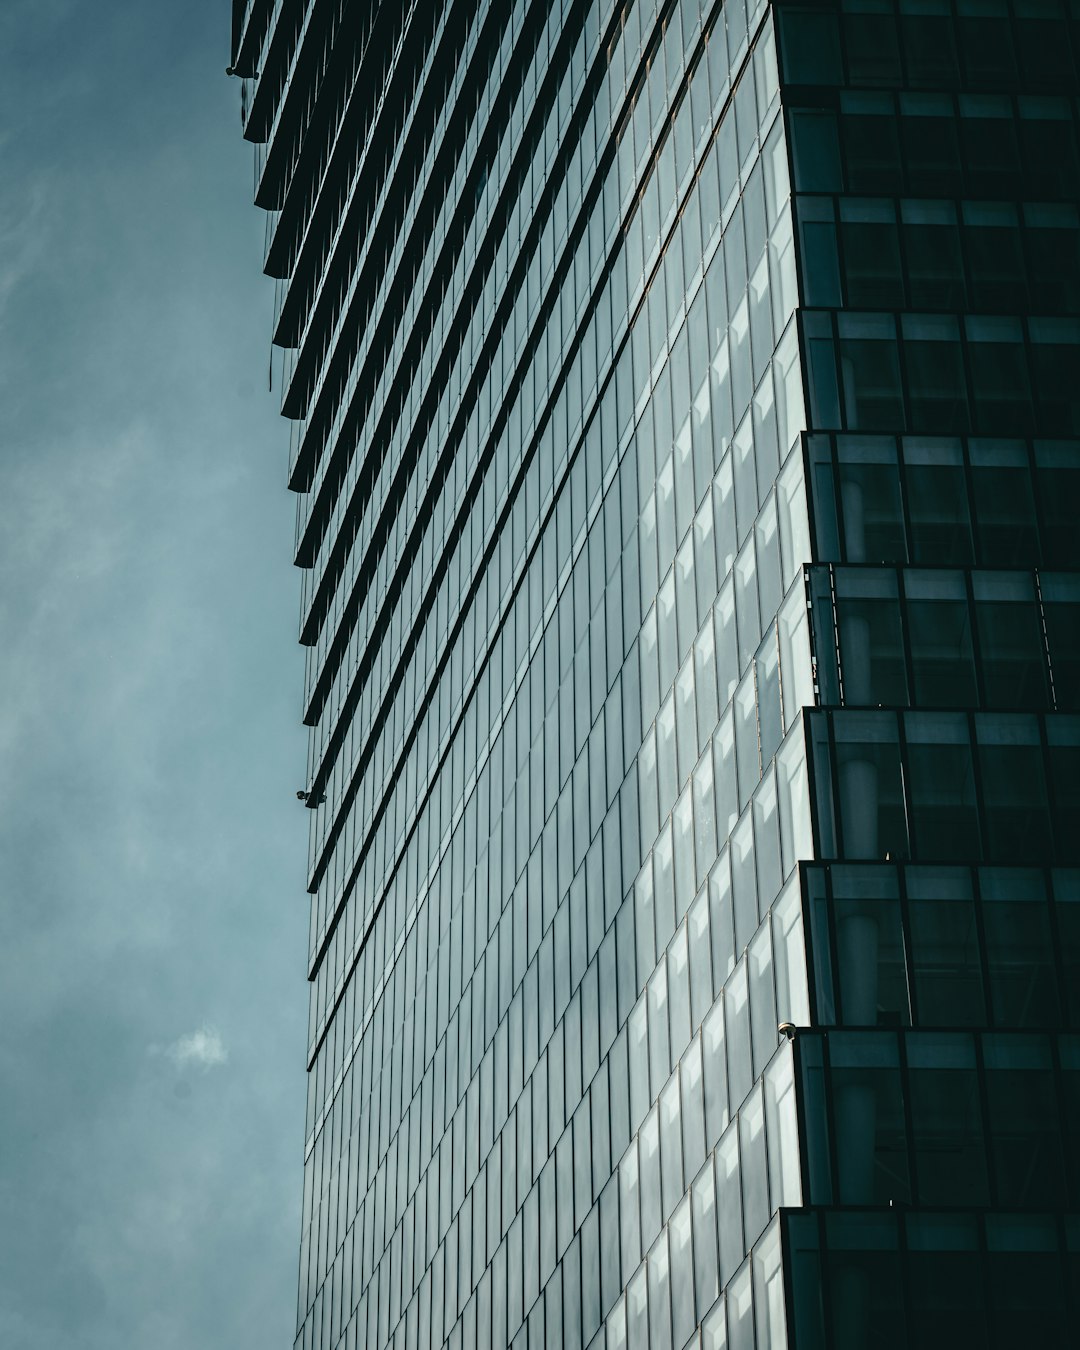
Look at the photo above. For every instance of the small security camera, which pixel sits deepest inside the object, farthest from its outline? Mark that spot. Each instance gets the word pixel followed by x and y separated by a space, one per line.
pixel 787 1030
pixel 301 795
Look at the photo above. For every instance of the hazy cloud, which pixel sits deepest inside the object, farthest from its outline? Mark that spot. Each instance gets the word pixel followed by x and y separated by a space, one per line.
pixel 24 219
pixel 203 1049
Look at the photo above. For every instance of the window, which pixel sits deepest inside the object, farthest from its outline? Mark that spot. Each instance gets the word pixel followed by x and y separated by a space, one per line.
pixel 870 370
pixel 872 816
pixel 941 786
pixel 872 662
pixel 872 1164
pixel 949 1150
pixel 937 502
pixel 1013 788
pixel 939 633
pixel 1010 640
pixel 945 957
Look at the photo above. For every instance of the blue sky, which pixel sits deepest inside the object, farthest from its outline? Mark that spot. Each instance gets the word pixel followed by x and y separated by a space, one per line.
pixel 152 911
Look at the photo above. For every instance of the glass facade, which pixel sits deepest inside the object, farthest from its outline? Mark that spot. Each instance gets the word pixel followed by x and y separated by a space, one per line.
pixel 934 160
pixel 685 405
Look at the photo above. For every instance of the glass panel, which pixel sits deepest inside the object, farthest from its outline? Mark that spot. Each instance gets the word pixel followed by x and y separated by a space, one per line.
pixel 868 1116
pixel 705 1256
pixel 820 270
pixel 871 970
pixel 714 1061
pixel 870 370
pixel 796 834
pixel 941 786
pixel 714 1328
pixel 629 1212
pixel 1000 389
pixel 737 1028
pixel 872 664
pixel 792 998
pixel 659 1296
pixel 1024 1276
pixel 755 1177
pixel 769 1292
pixel 682 1273
pixel 810 47
pixel 945 957
pixel 937 388
pixel 873 519
pixel 804 1259
pixel 865 1286
pixel 1023 1113
pixel 701 985
pixel 1057 483
pixel 1066 890
pixel 871 145
pixel 950 1160
pixel 693 1109
pixel 729 1203
pixel 1005 522
pixel 937 502
pixel 873 277
pixel 815 150
pixel 868 779
pixel 721 920
pixel 1061 614
pixel 947 1295
pixel 1063 755
pixel 741 1311
pixel 763 1018
pixel 795 672
pixel 935 269
pixel 939 631
pixel 744 881
pixel 767 841
pixel 637 1311
pixel 1010 640
pixel 770 712
pixel 1017 826
pixel 785 1185
pixel 671 1146
pixel 649 1141
pixel 1019 948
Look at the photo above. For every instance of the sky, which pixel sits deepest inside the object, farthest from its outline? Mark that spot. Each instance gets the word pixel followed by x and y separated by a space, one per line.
pixel 153 919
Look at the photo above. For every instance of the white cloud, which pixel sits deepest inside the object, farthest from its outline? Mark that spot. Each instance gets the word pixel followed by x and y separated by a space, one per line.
pixel 203 1048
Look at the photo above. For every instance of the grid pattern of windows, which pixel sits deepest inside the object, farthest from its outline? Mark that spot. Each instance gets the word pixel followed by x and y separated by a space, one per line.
pixel 939 373
pixel 549 411
pixel 948 1118
pixel 947 786
pixel 946 502
pixel 1006 46
pixel 945 946
pixel 944 638
pixel 936 168
pixel 989 257
pixel 577 809
pixel 686 435
pixel 903 1282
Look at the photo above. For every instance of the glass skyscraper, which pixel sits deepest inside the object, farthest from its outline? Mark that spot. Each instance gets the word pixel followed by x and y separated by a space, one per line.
pixel 686 439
